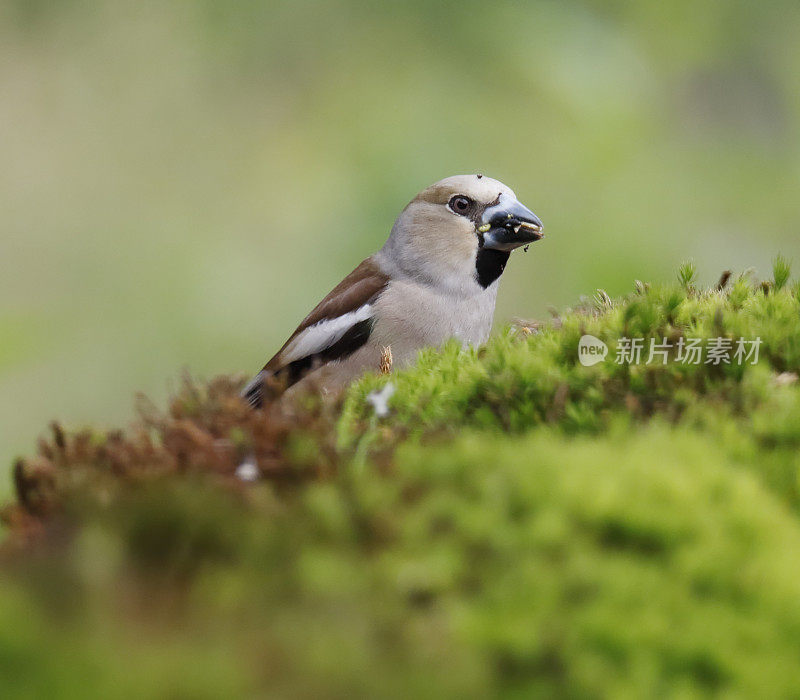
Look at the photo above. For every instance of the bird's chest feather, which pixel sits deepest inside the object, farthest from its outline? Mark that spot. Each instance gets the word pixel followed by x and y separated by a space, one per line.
pixel 412 316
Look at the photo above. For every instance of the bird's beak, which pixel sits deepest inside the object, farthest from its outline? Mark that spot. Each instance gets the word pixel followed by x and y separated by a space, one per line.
pixel 508 225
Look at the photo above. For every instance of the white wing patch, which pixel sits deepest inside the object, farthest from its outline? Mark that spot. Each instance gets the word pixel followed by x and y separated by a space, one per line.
pixel 323 334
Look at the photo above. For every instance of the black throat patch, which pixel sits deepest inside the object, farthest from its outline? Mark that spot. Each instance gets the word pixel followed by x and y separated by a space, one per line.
pixel 489 265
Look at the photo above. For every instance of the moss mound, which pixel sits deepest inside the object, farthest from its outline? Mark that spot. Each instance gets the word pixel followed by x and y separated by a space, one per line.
pixel 519 524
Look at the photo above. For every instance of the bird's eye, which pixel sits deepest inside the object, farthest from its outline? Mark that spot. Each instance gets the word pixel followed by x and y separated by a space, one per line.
pixel 460 204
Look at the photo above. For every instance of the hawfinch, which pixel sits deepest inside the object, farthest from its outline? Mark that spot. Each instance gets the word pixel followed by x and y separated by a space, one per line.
pixel 434 279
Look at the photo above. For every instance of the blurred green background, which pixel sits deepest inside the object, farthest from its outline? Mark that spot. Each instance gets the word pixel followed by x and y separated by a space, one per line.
pixel 182 182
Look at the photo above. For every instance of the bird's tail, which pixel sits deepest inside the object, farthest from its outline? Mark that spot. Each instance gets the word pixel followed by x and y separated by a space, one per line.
pixel 253 391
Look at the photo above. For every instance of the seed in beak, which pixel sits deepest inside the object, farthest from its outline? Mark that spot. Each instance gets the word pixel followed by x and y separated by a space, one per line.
pixel 533 227
pixel 484 228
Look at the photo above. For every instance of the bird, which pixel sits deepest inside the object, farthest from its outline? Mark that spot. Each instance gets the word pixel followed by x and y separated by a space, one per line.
pixel 435 278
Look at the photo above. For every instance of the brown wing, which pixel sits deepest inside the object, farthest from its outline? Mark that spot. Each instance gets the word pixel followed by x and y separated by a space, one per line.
pixel 335 334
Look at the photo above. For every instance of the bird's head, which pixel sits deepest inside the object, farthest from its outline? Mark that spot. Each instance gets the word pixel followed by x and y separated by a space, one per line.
pixel 454 227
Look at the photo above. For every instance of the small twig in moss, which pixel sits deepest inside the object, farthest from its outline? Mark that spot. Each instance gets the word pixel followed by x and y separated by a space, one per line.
pixel 386 359
pixel 725 277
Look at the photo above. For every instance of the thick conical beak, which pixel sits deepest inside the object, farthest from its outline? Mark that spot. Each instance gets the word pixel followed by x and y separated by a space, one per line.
pixel 508 225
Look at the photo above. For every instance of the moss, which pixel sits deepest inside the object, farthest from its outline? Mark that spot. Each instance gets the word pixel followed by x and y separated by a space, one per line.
pixel 519 524
pixel 624 565
pixel 517 375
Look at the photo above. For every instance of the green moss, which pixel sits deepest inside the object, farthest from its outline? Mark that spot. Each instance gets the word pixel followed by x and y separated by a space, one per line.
pixel 518 525
pixel 518 381
pixel 630 565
